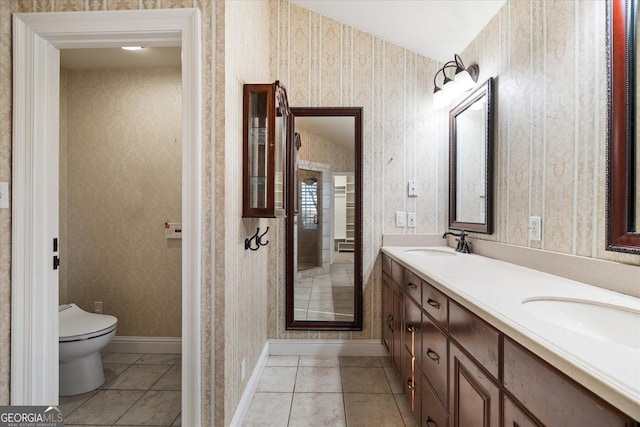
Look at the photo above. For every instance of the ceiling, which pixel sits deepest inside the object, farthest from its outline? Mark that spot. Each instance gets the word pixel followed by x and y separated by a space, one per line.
pixel 434 28
pixel 337 129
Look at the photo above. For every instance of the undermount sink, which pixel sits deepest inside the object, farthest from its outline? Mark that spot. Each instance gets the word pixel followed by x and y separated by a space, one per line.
pixel 607 322
pixel 430 252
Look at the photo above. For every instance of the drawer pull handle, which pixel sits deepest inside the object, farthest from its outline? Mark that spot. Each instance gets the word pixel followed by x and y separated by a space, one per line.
pixel 410 385
pixel 433 303
pixel 412 286
pixel 389 318
pixel 430 422
pixel 392 324
pixel 433 356
pixel 411 328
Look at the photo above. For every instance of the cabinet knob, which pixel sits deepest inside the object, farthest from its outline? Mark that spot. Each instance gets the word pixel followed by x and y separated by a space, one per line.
pixel 433 356
pixel 433 303
pixel 411 328
pixel 430 422
pixel 410 385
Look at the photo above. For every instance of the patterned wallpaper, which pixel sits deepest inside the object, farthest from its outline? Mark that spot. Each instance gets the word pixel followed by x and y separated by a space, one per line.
pixel 122 184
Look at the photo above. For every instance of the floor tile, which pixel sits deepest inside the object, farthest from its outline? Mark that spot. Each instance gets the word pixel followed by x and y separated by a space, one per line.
pixel 177 421
pixel 111 371
pixel 361 361
pixel 385 361
pixel 138 377
pixel 277 379
pixel 394 380
pixel 364 380
pixel 282 361
pixel 317 409
pixel 366 410
pixel 172 380
pixel 318 379
pixel 105 407
pixel 123 358
pixel 71 403
pixel 158 359
pixel 154 408
pixel 268 409
pixel 405 411
pixel 319 361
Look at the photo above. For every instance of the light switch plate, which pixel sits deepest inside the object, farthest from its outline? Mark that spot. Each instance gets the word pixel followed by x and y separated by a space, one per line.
pixel 412 188
pixel 401 219
pixel 4 195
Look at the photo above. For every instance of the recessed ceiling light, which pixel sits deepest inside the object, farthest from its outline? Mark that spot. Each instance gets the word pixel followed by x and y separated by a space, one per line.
pixel 131 47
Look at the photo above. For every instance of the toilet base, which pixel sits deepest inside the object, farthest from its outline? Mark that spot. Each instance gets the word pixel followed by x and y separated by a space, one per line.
pixel 81 375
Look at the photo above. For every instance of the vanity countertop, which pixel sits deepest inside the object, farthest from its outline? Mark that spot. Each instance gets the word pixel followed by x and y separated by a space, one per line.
pixel 593 355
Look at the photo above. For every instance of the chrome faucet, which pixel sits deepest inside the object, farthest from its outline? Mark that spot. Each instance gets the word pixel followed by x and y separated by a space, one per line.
pixel 464 246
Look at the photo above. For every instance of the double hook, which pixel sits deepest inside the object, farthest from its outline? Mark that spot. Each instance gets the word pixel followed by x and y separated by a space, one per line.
pixel 258 240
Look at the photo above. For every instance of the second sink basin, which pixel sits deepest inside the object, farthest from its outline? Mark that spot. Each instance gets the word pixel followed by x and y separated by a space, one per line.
pixel 431 252
pixel 607 322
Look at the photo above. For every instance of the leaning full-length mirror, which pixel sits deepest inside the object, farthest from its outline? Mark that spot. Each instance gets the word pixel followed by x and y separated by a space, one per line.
pixel 623 160
pixel 471 162
pixel 324 220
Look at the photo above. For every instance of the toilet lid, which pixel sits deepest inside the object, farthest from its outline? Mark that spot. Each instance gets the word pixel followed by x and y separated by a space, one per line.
pixel 73 321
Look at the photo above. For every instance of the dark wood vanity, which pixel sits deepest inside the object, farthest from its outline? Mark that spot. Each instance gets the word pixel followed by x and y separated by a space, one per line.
pixel 459 371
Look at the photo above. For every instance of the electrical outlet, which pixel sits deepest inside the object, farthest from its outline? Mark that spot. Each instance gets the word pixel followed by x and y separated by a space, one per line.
pixel 535 228
pixel 97 306
pixel 411 219
pixel 401 219
pixel 412 189
pixel 243 369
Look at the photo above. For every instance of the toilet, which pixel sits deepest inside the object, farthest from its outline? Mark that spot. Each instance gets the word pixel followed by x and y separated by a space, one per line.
pixel 82 336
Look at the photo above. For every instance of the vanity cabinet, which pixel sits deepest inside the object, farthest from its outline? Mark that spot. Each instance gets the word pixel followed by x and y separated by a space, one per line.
pixel 459 371
pixel 265 140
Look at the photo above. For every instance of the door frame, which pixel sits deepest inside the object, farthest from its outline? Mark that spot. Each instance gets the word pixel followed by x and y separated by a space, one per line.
pixel 37 38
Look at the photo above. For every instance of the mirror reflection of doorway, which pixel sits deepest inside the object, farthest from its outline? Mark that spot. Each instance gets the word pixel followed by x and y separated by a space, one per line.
pixel 310 220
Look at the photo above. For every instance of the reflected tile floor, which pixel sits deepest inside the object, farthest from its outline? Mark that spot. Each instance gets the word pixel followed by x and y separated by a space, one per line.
pixel 139 389
pixel 330 391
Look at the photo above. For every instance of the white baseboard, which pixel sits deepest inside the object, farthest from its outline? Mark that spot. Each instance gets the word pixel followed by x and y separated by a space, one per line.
pixel 170 345
pixel 250 389
pixel 327 348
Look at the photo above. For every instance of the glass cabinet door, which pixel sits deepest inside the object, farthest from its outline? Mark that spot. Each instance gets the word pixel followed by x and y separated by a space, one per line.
pixel 265 119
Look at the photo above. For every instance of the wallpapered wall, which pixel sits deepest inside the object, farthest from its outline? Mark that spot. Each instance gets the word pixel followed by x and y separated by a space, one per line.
pixel 327 64
pixel 121 181
pixel 317 149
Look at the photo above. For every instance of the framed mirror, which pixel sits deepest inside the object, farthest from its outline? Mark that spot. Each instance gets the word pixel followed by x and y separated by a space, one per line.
pixel 324 220
pixel 623 158
pixel 471 162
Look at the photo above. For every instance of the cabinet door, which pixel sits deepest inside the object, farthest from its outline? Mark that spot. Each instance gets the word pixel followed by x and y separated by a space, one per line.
pixel 412 319
pixel 474 399
pixel 410 381
pixel 387 313
pixel 396 328
pixel 516 417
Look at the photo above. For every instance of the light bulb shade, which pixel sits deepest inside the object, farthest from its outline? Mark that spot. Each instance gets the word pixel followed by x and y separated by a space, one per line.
pixel 464 82
pixel 440 99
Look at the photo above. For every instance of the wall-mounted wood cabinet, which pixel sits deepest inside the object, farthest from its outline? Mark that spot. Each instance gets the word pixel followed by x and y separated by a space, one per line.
pixel 459 371
pixel 265 143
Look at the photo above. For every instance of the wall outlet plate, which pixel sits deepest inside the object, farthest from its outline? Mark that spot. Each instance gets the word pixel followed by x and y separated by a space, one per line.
pixel 411 219
pixel 412 188
pixel 401 219
pixel 535 228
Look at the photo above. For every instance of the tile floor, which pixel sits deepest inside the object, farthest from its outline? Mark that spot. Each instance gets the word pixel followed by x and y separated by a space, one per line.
pixel 139 389
pixel 330 391
pixel 327 296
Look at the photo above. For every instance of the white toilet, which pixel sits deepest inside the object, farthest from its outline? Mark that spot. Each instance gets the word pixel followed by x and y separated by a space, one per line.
pixel 82 336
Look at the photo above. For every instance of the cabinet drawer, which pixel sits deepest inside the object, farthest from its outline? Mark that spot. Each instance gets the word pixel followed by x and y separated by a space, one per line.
pixel 386 264
pixel 476 336
pixel 433 413
pixel 436 304
pixel 397 272
pixel 412 285
pixel 412 326
pixel 435 357
pixel 530 380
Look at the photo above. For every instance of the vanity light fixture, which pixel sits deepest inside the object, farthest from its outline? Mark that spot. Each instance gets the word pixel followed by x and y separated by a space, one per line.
pixel 463 80
pixel 131 47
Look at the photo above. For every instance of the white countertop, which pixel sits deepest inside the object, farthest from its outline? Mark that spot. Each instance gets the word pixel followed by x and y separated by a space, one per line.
pixel 494 290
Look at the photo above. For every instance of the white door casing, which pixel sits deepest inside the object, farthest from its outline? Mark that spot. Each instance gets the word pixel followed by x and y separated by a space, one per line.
pixel 37 38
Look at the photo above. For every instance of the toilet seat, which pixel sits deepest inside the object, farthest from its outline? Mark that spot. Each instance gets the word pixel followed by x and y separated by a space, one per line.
pixel 76 324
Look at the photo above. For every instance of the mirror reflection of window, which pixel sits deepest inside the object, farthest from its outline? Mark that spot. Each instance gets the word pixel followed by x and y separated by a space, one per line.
pixel 309 204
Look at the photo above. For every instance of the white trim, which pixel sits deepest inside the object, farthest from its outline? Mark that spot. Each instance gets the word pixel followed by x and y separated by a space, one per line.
pixel 163 345
pixel 37 38
pixel 326 348
pixel 250 389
